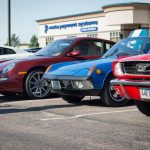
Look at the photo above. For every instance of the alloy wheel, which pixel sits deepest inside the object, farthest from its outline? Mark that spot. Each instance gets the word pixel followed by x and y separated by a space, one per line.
pixel 114 95
pixel 36 85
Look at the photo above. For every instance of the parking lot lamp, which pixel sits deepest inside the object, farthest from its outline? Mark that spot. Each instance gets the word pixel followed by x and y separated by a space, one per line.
pixel 9 22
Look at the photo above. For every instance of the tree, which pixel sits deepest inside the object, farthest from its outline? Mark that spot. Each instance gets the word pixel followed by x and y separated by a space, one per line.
pixel 34 41
pixel 15 41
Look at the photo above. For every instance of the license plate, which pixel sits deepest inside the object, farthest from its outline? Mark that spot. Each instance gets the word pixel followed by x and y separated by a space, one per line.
pixel 145 93
pixel 56 85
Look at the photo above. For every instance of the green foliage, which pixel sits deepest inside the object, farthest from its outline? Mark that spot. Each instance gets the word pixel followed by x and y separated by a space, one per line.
pixel 15 41
pixel 34 41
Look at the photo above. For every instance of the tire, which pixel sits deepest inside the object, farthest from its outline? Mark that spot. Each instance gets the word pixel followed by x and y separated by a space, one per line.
pixel 72 99
pixel 34 87
pixel 144 107
pixel 109 96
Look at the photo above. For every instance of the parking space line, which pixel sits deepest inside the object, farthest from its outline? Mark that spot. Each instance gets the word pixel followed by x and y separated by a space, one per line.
pixel 90 114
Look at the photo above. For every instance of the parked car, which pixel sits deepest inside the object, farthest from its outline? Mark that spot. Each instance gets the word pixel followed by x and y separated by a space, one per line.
pixel 74 80
pixel 25 75
pixel 133 80
pixel 9 53
pixel 33 49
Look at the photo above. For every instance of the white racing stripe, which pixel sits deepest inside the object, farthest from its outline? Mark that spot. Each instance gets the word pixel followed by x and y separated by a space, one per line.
pixel 91 114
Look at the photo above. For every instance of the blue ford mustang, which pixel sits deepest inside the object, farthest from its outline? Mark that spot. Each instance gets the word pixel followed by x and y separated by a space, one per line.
pixel 74 80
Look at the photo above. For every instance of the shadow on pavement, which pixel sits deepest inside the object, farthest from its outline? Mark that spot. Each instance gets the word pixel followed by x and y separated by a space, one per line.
pixel 98 102
pixel 33 109
pixel 10 109
pixel 21 98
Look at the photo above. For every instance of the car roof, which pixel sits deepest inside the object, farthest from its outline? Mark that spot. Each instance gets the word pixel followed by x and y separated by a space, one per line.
pixel 86 38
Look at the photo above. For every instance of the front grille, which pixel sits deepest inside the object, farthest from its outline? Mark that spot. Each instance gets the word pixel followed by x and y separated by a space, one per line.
pixel 138 67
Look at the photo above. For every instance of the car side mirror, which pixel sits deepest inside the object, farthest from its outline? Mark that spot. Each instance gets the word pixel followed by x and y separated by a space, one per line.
pixel 74 53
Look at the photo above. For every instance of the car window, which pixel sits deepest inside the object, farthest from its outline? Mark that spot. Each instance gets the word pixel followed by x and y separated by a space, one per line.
pixel 90 48
pixel 7 51
pixel 1 50
pixel 108 46
pixel 95 48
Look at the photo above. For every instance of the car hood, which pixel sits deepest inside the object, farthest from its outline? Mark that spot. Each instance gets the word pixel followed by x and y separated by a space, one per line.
pixel 76 68
pixel 145 57
pixel 30 60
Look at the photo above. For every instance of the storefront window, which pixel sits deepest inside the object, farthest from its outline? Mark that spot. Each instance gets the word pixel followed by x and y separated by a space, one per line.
pixel 49 40
pixel 115 36
pixel 71 36
pixel 92 35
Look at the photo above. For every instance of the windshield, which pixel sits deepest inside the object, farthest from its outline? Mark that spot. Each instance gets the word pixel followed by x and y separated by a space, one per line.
pixel 56 48
pixel 129 47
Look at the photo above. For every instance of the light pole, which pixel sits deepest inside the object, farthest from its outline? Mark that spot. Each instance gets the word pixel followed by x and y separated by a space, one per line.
pixel 9 23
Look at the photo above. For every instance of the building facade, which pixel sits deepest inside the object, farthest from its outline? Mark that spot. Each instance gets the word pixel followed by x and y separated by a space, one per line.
pixel 113 22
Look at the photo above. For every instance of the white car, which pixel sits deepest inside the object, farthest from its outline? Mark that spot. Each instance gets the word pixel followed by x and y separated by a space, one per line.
pixel 9 53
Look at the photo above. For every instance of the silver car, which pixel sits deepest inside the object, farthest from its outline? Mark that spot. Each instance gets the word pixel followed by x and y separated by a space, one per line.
pixel 9 53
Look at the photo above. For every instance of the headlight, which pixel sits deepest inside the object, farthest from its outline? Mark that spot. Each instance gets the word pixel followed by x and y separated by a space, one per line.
pixel 86 85
pixel 9 67
pixel 78 84
pixel 117 69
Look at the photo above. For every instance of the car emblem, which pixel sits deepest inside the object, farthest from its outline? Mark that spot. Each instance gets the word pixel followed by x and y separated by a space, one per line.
pixel 143 67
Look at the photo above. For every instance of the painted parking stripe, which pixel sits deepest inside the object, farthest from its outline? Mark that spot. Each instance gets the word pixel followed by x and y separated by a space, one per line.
pixel 91 114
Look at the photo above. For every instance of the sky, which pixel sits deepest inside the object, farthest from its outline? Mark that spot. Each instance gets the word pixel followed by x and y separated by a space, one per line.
pixel 24 14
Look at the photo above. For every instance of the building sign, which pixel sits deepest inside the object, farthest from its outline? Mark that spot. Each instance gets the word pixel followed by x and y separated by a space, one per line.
pixel 71 27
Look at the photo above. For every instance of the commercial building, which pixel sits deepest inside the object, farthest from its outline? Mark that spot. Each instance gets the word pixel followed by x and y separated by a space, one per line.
pixel 112 22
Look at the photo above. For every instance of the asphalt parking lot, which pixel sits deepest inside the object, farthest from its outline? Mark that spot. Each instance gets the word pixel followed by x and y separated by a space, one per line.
pixel 52 124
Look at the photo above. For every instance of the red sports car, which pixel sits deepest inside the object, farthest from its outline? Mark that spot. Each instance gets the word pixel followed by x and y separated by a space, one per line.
pixel 24 76
pixel 133 81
